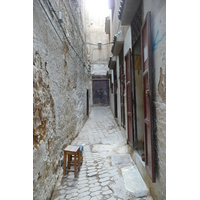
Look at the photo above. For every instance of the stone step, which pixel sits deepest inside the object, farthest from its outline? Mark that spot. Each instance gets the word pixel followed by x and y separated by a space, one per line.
pixel 134 182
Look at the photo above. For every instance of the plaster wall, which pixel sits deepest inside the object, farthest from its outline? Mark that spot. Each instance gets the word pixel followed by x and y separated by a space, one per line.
pixel 99 68
pixel 116 22
pixel 127 41
pixel 59 90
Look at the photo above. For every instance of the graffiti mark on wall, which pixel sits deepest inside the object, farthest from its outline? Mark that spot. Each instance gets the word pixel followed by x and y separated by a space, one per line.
pixel 157 40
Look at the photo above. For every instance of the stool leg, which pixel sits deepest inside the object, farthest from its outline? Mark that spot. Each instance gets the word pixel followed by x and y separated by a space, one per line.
pixel 69 159
pixel 79 160
pixel 64 163
pixel 75 165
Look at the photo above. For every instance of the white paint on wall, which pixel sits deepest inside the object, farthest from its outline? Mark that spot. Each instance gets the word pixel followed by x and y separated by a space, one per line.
pixel 127 41
pixel 99 68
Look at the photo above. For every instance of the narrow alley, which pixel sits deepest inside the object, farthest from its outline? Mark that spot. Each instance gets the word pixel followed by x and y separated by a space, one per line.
pixel 99 80
pixel 107 165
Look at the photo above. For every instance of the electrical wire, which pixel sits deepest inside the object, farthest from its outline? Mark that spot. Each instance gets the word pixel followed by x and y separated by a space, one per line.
pixel 51 22
pixel 58 34
pixel 94 45
pixel 51 8
pixel 97 44
pixel 65 33
pixel 74 18
pixel 84 65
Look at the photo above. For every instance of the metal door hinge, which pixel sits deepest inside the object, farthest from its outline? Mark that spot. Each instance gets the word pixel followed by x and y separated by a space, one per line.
pixel 148 93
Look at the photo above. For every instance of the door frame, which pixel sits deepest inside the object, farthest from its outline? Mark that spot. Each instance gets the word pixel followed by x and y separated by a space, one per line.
pixel 149 144
pixel 122 87
pixel 100 78
pixel 115 91
pixel 129 114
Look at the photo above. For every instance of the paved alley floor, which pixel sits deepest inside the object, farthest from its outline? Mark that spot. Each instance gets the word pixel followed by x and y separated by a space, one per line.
pixel 107 171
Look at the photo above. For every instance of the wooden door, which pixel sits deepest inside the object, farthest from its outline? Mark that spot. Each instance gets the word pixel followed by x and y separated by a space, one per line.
pixel 115 91
pixel 122 87
pixel 134 101
pixel 129 99
pixel 100 89
pixel 147 95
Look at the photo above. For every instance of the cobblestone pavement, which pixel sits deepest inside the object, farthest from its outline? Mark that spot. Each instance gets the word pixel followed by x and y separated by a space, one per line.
pixel 105 157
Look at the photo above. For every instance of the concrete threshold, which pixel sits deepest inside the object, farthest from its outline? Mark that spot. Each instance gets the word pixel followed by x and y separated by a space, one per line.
pixel 134 182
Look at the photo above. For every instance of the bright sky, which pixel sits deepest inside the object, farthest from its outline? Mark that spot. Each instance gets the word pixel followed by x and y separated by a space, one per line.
pixel 97 7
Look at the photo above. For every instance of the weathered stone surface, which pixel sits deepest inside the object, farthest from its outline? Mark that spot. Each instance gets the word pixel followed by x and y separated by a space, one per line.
pixel 105 183
pixel 94 189
pixel 92 174
pixel 138 186
pixel 104 179
pixel 59 90
pixel 84 194
pixel 107 192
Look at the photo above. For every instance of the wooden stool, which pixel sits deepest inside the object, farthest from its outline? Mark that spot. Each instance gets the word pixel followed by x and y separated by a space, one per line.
pixel 81 153
pixel 71 150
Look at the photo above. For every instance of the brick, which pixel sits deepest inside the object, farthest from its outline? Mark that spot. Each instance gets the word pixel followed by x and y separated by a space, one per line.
pixel 92 174
pixel 104 179
pixel 93 189
pixel 83 190
pixel 105 183
pixel 84 194
pixel 94 184
pixel 99 197
pixel 85 198
pixel 92 181
pixel 102 171
pixel 94 198
pixel 82 181
pixel 82 186
pixel 107 192
pixel 104 175
pixel 95 193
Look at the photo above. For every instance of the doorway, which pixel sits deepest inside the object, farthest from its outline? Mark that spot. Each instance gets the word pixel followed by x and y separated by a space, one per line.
pixel 100 90
pixel 115 91
pixel 130 128
pixel 122 88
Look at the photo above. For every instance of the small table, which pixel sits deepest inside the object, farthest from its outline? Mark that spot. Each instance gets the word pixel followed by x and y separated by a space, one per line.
pixel 71 150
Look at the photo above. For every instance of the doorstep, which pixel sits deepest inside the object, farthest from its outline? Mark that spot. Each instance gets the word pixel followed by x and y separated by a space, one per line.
pixel 134 182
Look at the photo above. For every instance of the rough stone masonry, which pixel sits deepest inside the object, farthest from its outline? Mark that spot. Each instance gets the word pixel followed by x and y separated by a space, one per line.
pixel 60 83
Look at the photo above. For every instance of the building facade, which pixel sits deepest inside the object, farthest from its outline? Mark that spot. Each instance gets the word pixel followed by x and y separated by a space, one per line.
pixel 137 73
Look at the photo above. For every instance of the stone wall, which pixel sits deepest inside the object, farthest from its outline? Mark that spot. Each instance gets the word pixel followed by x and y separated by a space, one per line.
pixel 60 83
